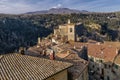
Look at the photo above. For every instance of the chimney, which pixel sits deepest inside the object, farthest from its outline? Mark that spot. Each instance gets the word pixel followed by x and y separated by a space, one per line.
pixel 98 43
pixel 68 52
pixel 22 50
pixel 39 40
pixel 68 21
pixel 52 55
pixel 44 52
pixel 74 47
pixel 102 52
pixel 56 35
pixel 116 51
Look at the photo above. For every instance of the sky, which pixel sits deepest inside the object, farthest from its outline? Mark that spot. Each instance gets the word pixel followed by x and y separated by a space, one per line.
pixel 23 6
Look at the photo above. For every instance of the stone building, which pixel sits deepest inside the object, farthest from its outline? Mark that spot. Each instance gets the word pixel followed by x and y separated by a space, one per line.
pixel 70 53
pixel 66 53
pixel 69 30
pixel 23 67
pixel 104 62
pixel 79 71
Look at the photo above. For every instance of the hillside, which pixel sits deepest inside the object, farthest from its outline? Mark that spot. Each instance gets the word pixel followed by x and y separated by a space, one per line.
pixel 23 30
pixel 58 11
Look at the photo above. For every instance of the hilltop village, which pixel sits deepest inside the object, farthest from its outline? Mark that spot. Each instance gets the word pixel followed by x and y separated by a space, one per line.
pixel 61 56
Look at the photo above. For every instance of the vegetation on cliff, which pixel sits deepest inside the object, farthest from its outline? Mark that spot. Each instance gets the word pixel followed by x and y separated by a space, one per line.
pixel 23 30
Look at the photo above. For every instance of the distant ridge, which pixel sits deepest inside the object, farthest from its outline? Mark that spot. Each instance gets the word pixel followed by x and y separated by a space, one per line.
pixel 58 11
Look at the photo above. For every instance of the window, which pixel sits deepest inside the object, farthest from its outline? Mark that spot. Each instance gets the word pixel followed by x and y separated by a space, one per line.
pixel 108 78
pixel 116 66
pixel 91 59
pixel 113 71
pixel 105 65
pixel 109 66
pixel 98 69
pixel 70 29
pixel 101 61
pixel 102 71
pixel 93 66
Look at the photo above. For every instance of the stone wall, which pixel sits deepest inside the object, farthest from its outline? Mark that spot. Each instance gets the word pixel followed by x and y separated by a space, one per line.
pixel 60 76
pixel 71 32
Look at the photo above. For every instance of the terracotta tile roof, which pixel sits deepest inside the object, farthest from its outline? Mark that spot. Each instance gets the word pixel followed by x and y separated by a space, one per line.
pixel 117 60
pixel 116 44
pixel 22 67
pixel 102 51
pixel 65 46
pixel 78 64
pixel 34 51
pixel 70 46
pixel 62 55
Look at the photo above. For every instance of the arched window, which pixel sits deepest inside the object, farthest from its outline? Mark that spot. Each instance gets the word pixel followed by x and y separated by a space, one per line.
pixel 70 29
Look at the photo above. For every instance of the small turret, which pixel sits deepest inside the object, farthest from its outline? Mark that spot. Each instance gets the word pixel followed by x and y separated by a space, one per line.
pixel 68 21
pixel 39 40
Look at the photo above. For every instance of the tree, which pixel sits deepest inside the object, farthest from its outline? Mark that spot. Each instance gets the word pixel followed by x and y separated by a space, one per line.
pixel 104 28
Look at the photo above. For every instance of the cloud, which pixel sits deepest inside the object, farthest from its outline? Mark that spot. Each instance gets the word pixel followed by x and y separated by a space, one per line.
pixel 96 5
pixel 58 6
pixel 22 6
pixel 12 6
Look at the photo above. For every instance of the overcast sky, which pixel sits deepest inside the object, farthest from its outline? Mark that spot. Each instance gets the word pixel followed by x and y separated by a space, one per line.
pixel 22 6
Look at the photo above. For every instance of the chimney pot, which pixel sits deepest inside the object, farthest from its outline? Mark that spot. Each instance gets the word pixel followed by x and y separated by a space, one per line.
pixel 116 50
pixel 52 55
pixel 68 52
pixel 74 47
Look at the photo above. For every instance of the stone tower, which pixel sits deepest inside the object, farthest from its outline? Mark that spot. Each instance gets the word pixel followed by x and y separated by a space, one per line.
pixel 71 31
